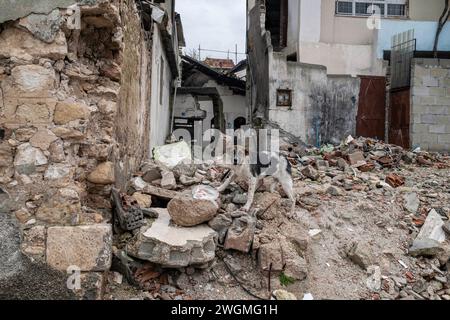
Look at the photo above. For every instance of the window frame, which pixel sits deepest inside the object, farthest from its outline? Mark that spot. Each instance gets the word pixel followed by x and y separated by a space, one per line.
pixel 288 103
pixel 384 3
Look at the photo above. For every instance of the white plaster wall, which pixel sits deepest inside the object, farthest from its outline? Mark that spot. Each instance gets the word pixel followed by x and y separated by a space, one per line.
pixel 311 15
pixel 159 112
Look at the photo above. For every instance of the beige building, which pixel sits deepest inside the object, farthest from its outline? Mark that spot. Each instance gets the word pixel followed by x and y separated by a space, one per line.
pixel 348 37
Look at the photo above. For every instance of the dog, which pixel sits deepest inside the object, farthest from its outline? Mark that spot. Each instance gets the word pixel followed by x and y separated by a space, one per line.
pixel 268 164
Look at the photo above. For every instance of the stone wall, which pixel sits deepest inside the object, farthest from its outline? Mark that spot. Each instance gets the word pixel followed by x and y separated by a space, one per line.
pixel 430 104
pixel 73 122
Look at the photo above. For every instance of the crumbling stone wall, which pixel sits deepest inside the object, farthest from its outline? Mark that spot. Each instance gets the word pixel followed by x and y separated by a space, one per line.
pixel 430 104
pixel 73 121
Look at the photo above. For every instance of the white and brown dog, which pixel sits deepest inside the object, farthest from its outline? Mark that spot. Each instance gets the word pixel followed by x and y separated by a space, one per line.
pixel 267 164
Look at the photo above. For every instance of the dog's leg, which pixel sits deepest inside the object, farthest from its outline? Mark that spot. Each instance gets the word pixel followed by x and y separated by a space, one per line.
pixel 288 187
pixel 227 182
pixel 253 184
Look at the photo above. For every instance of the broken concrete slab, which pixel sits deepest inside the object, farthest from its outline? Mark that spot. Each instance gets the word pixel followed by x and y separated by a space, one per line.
pixel 220 224
pixel 432 229
pixel 426 248
pixel 168 180
pixel 270 257
pixel 173 246
pixel 241 233
pixel 411 202
pixel 159 192
pixel 361 254
pixel 87 247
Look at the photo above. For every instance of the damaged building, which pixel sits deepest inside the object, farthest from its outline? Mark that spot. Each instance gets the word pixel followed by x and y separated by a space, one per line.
pixel 322 70
pixel 210 98
pixel 85 92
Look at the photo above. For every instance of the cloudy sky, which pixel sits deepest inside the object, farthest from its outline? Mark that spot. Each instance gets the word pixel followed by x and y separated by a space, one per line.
pixel 214 24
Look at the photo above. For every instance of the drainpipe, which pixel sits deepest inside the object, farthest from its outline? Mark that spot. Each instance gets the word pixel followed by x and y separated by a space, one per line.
pixel 177 82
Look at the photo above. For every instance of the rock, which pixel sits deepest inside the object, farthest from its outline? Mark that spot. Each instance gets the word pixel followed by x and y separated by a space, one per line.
pixel 10 257
pixel 21 44
pixel 34 242
pixel 411 202
pixel 240 234
pixel 446 227
pixel 172 246
pixel 55 211
pixel 356 157
pixel 6 155
pixel 283 295
pixel 295 265
pixel 267 204
pixel 144 200
pixel 188 181
pixel 168 180
pixel 271 254
pixel 342 164
pixel 56 150
pixel 187 211
pixel 151 175
pixel 240 198
pixel 87 247
pixel 43 139
pixel 103 174
pixel 68 133
pixel 28 157
pixel 22 215
pixel 184 169
pixel 220 224
pixel 45 27
pixel 335 191
pixel 361 254
pixel 58 171
pixel 69 111
pixel 322 165
pixel 432 228
pixel 425 247
pixel 24 134
pixel 311 173
pixel 31 81
pixel 158 192
pixel 374 281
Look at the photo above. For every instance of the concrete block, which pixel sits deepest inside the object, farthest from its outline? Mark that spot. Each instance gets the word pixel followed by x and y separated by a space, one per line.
pixel 445 83
pixel 429 119
pixel 429 81
pixel 445 63
pixel 437 92
pixel 428 138
pixel 420 128
pixel 444 138
pixel 429 62
pixel 428 100
pixel 443 119
pixel 421 71
pixel 443 101
pixel 439 73
pixel 437 147
pixel 421 91
pixel 440 128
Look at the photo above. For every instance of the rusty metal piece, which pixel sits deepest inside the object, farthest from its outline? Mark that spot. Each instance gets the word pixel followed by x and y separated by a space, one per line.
pixel 394 180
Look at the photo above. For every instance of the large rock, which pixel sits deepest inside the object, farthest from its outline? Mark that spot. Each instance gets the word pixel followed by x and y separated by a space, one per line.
pixel 28 157
pixel 168 180
pixel 86 247
pixel 10 257
pixel 60 212
pixel 270 257
pixel 68 111
pixel 103 174
pixel 172 246
pixel 411 202
pixel 21 44
pixel 187 211
pixel 6 155
pixel 240 235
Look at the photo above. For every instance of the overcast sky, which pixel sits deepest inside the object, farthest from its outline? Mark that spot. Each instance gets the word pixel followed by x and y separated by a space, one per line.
pixel 214 24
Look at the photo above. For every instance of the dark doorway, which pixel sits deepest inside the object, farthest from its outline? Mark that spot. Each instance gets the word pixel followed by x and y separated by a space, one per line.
pixel 400 118
pixel 239 122
pixel 371 118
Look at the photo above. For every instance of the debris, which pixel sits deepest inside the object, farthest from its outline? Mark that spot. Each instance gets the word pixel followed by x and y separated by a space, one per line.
pixel 172 246
pixel 394 180
pixel 144 200
pixel 168 180
pixel 283 295
pixel 126 210
pixel 159 192
pixel 187 211
pixel 356 157
pixel 374 281
pixel 446 227
pixel 220 224
pixel 240 234
pixel 311 173
pixel 314 233
pixel 172 154
pixel 203 192
pixel 412 202
pixel 270 257
pixel 361 254
pixel 335 191
pixel 308 297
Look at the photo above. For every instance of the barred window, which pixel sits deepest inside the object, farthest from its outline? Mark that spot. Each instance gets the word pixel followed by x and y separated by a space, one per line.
pixel 386 8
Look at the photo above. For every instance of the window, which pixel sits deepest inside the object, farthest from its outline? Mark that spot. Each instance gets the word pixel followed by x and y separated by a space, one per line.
pixel 284 98
pixel 387 8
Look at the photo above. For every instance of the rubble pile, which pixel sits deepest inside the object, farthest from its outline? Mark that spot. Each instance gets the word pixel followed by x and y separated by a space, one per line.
pixel 365 211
